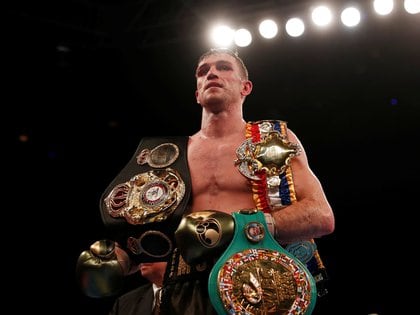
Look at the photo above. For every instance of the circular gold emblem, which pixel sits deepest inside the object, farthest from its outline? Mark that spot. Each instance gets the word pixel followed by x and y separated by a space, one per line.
pixel 147 197
pixel 263 281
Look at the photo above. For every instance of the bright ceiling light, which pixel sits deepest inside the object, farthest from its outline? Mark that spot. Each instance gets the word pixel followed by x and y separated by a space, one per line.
pixel 321 16
pixel 412 6
pixel 350 17
pixel 243 37
pixel 222 36
pixel 383 7
pixel 295 27
pixel 268 28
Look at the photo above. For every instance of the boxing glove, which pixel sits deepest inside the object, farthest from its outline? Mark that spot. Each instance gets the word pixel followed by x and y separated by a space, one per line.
pixel 100 270
pixel 204 235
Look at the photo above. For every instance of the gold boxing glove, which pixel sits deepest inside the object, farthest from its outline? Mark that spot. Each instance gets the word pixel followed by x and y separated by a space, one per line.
pixel 101 269
pixel 204 235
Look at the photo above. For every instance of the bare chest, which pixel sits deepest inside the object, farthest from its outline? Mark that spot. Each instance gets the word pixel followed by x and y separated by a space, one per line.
pixel 213 169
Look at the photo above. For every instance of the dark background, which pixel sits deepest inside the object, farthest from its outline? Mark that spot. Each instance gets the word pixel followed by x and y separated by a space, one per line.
pixel 85 80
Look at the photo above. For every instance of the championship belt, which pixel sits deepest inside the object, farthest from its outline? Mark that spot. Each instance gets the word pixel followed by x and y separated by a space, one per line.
pixel 256 276
pixel 264 158
pixel 145 202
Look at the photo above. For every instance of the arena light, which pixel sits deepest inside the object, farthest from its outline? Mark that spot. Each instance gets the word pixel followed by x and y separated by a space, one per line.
pixel 412 6
pixel 268 28
pixel 222 36
pixel 321 16
pixel 295 27
pixel 350 17
pixel 243 37
pixel 383 7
